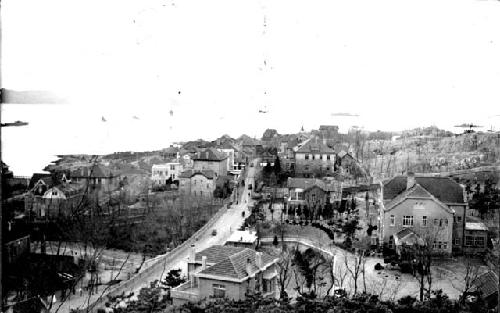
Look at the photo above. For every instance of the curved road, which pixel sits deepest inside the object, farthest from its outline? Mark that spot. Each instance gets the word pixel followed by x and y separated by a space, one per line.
pixel 227 223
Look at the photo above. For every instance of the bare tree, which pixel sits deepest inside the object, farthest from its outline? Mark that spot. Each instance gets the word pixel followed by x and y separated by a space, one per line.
pixel 284 271
pixel 355 266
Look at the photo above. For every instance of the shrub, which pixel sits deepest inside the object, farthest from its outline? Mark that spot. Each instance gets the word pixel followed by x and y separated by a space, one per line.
pixel 378 267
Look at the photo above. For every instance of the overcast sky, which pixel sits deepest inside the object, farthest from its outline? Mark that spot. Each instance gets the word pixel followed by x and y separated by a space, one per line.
pixel 160 71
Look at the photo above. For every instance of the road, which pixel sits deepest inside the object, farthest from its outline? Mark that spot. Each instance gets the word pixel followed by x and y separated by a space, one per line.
pixel 227 223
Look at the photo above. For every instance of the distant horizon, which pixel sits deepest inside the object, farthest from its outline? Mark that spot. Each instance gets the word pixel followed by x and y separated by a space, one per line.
pixel 160 73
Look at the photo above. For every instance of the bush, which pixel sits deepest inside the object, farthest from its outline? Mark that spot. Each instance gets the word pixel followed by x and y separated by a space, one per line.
pixel 378 267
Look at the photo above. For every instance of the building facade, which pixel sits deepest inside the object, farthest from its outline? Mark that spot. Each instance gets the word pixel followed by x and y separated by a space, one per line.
pixel 160 173
pixel 200 184
pixel 314 159
pixel 211 159
pixel 432 208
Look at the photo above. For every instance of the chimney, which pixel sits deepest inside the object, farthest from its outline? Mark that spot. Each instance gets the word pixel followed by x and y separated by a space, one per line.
pixel 410 180
pixel 203 262
pixel 258 259
pixel 192 254
pixel 249 267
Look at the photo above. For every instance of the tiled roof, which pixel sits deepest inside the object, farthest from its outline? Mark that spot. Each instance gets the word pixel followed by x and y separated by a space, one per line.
pixel 408 237
pixel 443 188
pixel 190 173
pixel 416 191
pixel 216 254
pixel 315 146
pixel 235 265
pixel 210 154
pixel 487 284
pixel 306 183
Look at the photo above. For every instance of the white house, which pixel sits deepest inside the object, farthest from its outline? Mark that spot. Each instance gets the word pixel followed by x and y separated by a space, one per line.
pixel 160 173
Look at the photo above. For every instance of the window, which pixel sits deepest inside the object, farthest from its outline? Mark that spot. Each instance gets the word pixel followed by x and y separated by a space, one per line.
pixel 328 157
pixel 459 219
pixel 446 222
pixel 434 244
pixel 424 221
pixel 172 167
pixel 440 222
pixel 471 212
pixel 321 157
pixel 479 241
pixel 457 241
pixel 219 291
pixel 306 168
pixel 393 220
pixel 408 220
pixel 307 156
pixel 445 245
pixel 201 193
pixel 327 168
pixel 313 197
pixel 469 240
pixel 313 157
pixel 54 193
pixel 436 222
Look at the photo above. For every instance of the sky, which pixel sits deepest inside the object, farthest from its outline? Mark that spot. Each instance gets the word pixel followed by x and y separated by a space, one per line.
pixel 164 71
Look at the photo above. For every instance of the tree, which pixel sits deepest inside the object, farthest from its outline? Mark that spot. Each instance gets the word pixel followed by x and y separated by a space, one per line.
pixel 284 271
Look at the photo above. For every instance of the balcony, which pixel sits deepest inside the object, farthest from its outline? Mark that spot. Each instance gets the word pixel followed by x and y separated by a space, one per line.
pixel 185 293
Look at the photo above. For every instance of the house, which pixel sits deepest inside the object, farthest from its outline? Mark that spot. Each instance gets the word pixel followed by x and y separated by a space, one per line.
pixel 211 159
pixel 329 134
pixel 243 238
pixel 318 196
pixel 97 177
pixel 197 183
pixel 58 200
pixel 227 272
pixel 314 159
pixel 476 238
pixel 433 208
pixel 170 153
pixel 160 173
pixel 486 287
pixel 351 170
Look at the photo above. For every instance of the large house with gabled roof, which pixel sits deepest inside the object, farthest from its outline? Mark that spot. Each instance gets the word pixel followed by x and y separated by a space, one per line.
pixel 227 272
pixel 211 159
pixel 314 158
pixel 424 206
pixel 198 183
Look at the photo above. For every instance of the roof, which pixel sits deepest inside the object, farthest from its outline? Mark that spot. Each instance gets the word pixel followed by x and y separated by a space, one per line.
pixel 408 237
pixel 69 189
pixel 216 254
pixel 475 226
pixel 315 146
pixel 190 173
pixel 210 154
pixel 307 183
pixel 170 150
pixel 95 170
pixel 235 265
pixel 486 283
pixel 443 188
pixel 416 191
pixel 47 179
pixel 244 236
